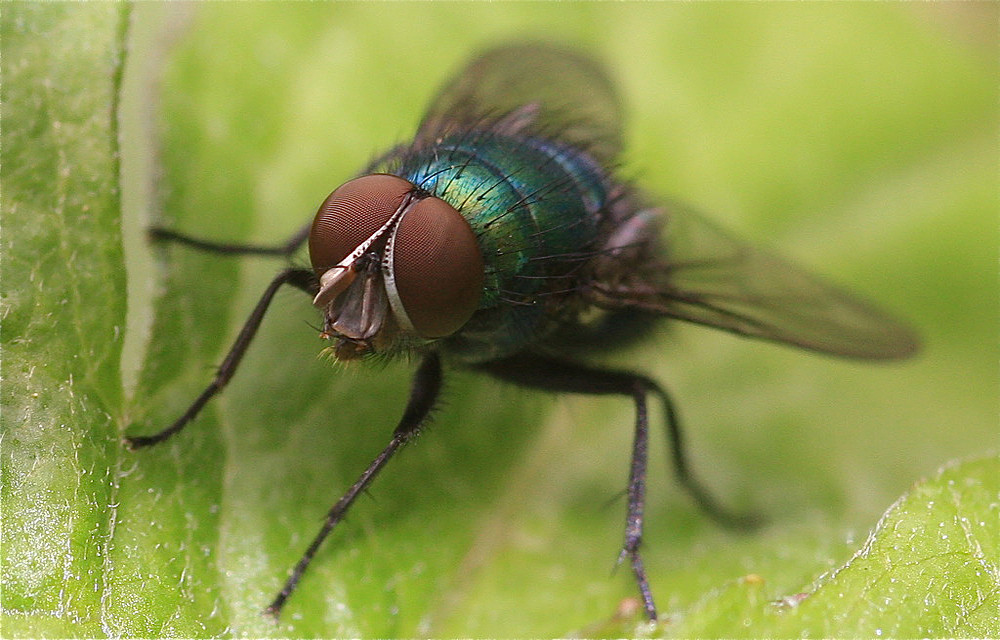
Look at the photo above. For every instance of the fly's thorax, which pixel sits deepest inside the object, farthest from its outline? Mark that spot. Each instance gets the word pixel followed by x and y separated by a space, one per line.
pixel 536 207
pixel 397 267
pixel 631 240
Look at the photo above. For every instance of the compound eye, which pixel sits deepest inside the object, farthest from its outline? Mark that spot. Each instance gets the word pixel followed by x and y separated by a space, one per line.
pixel 349 215
pixel 437 268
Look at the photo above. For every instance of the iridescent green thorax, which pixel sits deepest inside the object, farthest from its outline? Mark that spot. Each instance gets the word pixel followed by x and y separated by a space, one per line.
pixel 536 207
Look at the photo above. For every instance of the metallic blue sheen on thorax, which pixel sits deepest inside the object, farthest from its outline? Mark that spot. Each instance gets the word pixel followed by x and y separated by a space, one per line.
pixel 536 207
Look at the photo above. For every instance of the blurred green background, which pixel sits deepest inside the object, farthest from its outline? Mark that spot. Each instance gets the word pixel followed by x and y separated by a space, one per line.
pixel 860 139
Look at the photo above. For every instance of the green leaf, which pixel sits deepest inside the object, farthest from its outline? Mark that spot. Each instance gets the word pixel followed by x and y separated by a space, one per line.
pixel 63 313
pixel 930 569
pixel 858 138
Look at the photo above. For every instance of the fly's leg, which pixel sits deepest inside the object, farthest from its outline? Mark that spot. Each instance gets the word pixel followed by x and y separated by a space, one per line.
pixel 286 249
pixel 702 496
pixel 556 375
pixel 569 377
pixel 637 497
pixel 301 279
pixel 423 395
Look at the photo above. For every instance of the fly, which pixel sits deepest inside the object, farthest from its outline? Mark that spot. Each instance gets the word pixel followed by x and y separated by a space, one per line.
pixel 501 240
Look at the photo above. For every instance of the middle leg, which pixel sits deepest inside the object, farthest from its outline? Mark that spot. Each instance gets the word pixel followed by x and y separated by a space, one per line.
pixel 569 377
pixel 290 246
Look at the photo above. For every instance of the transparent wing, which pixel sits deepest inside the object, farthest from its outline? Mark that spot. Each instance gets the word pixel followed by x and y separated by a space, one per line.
pixel 530 87
pixel 702 274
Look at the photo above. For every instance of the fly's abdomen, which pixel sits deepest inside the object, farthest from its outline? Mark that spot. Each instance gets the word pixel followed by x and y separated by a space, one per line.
pixel 536 207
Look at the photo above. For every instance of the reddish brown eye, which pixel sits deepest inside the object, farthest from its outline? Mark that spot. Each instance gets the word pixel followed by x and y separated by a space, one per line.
pixel 437 268
pixel 350 214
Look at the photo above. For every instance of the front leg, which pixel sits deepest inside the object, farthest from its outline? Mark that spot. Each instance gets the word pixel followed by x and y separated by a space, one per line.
pixel 301 279
pixel 423 396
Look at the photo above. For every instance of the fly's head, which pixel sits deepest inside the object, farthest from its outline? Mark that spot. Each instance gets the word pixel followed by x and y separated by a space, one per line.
pixel 397 267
